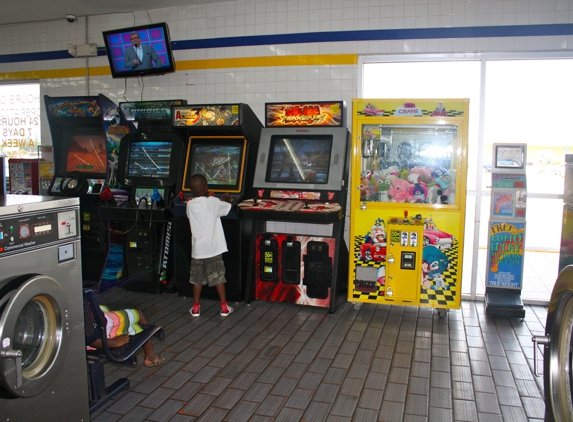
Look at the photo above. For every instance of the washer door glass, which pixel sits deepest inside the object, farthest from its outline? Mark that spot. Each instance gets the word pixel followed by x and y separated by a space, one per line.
pixel 34 336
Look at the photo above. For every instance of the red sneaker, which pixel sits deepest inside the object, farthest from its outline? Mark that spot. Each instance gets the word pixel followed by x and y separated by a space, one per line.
pixel 195 310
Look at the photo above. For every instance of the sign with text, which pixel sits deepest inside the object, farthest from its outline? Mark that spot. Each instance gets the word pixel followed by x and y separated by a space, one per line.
pixel 20 133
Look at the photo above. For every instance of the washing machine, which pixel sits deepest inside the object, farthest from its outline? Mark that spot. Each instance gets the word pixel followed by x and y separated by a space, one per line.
pixel 43 375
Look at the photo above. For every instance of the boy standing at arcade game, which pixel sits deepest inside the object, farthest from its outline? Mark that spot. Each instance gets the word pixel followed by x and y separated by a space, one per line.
pixel 207 242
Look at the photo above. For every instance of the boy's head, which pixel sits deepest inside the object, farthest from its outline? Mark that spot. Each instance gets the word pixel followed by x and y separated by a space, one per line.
pixel 198 185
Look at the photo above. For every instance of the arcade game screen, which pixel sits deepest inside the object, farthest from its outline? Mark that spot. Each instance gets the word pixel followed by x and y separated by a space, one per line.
pixel 87 154
pixel 149 159
pixel 219 160
pixel 299 159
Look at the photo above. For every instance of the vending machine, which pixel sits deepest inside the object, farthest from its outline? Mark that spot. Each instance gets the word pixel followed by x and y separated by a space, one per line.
pixel 506 231
pixel 408 200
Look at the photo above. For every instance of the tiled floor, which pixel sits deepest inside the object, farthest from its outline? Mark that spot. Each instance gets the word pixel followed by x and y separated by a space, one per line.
pixel 282 362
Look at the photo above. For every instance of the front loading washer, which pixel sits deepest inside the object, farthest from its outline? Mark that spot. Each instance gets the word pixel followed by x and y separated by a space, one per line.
pixel 43 375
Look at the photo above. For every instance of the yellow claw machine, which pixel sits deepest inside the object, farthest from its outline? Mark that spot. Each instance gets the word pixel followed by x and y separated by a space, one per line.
pixel 407 202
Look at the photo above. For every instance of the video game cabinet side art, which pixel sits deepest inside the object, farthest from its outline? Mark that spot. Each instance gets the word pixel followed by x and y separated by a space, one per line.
pixel 408 201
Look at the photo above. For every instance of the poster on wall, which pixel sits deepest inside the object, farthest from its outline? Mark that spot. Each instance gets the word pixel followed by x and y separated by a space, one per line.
pixel 505 255
pixel 20 120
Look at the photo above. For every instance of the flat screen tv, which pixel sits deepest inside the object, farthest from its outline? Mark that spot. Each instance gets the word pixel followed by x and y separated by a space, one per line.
pixel 149 159
pixel 221 159
pixel 509 157
pixel 155 56
pixel 301 159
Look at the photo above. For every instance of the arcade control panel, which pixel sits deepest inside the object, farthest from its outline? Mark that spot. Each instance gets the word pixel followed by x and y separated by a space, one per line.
pixel 291 209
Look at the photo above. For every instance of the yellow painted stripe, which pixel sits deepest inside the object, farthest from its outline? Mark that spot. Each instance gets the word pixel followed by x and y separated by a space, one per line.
pixel 240 62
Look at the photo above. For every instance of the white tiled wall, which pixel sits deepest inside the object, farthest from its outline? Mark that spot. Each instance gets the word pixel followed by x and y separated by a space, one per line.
pixel 255 86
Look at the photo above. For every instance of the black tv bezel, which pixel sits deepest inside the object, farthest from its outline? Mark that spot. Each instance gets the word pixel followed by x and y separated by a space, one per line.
pixel 174 160
pixel 146 72
pixel 216 140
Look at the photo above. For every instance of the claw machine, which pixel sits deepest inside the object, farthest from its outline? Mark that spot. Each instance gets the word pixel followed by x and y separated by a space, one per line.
pixel 407 202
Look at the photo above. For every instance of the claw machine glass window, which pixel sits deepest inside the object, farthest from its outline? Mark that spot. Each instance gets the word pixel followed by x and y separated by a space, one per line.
pixel 409 163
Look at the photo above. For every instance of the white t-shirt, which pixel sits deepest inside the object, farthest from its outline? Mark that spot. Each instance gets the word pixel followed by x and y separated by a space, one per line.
pixel 207 236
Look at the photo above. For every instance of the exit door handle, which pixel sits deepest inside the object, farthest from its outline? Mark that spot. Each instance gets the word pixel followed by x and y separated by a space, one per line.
pixel 16 355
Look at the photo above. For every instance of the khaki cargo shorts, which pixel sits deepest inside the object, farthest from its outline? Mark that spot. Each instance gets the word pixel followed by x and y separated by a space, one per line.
pixel 208 271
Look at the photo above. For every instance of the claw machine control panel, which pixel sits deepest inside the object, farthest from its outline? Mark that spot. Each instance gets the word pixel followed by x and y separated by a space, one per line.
pixel 409 159
pixel 506 231
pixel 404 258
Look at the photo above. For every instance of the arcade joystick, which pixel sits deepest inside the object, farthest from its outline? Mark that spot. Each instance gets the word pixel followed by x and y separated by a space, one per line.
pixel 181 197
pixel 405 216
pixel 255 202
pixel 306 204
pixel 106 196
pixel 157 198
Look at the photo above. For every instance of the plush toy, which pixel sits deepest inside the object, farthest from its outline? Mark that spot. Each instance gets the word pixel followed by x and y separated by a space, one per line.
pixel 383 187
pixel 364 189
pixel 443 183
pixel 400 191
pixel 413 178
pixel 419 193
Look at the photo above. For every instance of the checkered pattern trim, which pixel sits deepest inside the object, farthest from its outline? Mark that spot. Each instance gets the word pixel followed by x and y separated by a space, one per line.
pixel 447 297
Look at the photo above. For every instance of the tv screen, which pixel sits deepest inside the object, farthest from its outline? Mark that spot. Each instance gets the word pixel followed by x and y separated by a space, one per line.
pixel 509 157
pixel 220 159
pixel 149 159
pixel 299 159
pixel 139 51
pixel 147 193
pixel 86 153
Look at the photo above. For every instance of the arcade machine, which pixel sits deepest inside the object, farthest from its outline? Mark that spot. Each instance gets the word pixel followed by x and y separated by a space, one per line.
pixel 506 232
pixel 85 137
pixel 301 176
pixel 148 169
pixel 222 143
pixel 408 200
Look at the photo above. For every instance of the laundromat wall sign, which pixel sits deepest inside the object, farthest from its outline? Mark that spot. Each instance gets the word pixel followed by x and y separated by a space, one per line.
pixel 20 120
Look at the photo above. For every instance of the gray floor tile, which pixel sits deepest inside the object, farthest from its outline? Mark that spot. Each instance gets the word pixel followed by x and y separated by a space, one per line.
pixel 273 362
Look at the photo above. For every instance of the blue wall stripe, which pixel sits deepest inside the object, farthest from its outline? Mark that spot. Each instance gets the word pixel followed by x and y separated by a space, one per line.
pixel 334 36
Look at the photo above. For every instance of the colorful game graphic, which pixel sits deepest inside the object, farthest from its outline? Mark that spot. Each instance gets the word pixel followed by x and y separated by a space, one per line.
pixel 87 154
pixel 297 159
pixel 294 269
pixel 304 114
pixel 75 108
pixel 507 243
pixel 218 163
pixel 115 127
pixel 216 115
pixel 438 277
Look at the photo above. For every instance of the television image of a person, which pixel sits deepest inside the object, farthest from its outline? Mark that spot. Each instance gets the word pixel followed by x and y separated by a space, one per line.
pixel 140 56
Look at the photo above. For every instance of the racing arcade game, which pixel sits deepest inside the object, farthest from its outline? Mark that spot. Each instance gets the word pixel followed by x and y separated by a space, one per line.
pixel 148 167
pixel 301 176
pixel 85 136
pixel 222 143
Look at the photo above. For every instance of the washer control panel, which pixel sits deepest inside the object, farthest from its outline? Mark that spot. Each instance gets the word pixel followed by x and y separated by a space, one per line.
pixel 19 233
